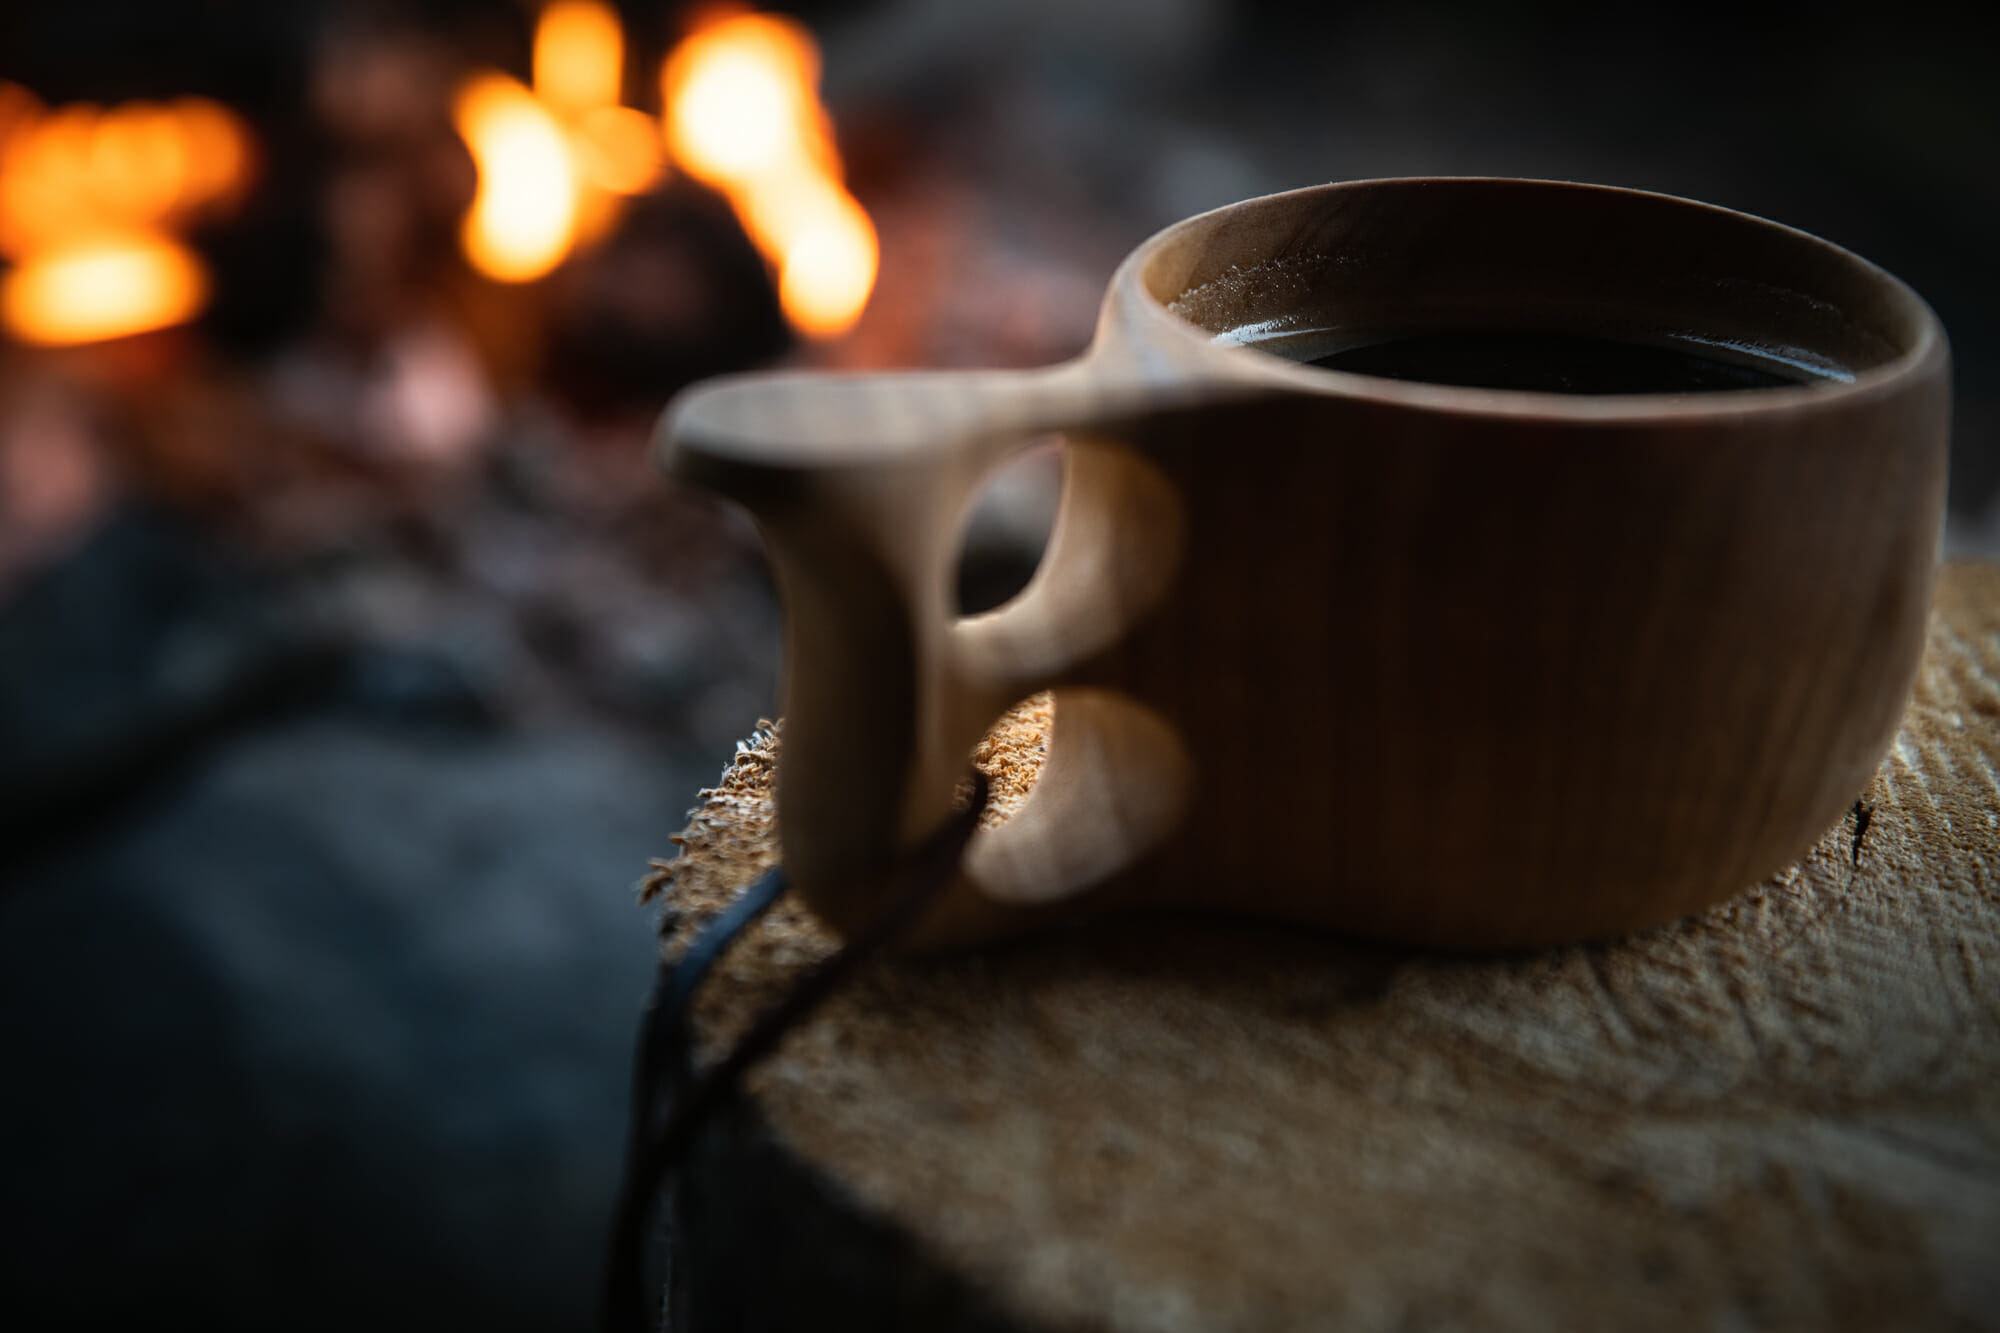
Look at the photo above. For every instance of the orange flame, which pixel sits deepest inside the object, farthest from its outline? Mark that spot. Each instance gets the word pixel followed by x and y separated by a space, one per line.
pixel 523 218
pixel 579 56
pixel 88 200
pixel 106 288
pixel 553 161
pixel 742 114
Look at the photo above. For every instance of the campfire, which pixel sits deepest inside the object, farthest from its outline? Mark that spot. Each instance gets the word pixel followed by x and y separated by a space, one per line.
pixel 93 201
pixel 742 115
pixel 555 160
pixel 405 282
pixel 739 112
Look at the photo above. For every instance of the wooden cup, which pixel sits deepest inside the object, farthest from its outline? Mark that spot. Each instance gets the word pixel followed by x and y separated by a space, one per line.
pixel 1450 666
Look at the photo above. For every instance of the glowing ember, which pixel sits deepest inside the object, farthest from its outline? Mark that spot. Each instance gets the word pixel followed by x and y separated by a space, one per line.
pixel 618 148
pixel 552 162
pixel 739 99
pixel 579 56
pixel 88 201
pixel 106 288
pixel 743 115
pixel 523 218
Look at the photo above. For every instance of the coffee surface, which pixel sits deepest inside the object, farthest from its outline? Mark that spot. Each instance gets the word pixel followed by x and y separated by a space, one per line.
pixel 1542 362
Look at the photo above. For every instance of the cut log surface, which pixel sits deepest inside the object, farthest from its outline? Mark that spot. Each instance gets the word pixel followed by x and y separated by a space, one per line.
pixel 1783 1113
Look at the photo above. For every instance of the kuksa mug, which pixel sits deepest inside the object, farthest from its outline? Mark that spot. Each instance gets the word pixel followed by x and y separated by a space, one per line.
pixel 1457 666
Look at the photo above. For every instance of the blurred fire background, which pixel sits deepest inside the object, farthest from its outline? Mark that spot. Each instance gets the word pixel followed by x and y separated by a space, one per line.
pixel 353 663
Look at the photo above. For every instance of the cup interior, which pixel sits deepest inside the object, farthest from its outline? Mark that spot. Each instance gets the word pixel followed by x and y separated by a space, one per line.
pixel 1376 259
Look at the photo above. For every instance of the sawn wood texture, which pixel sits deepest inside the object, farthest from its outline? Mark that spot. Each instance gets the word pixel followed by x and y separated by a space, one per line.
pixel 1780 1113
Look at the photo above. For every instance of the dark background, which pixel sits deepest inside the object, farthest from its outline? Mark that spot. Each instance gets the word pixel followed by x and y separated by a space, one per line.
pixel 322 797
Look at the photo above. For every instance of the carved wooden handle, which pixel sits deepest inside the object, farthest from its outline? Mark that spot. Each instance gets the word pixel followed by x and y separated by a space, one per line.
pixel 860 486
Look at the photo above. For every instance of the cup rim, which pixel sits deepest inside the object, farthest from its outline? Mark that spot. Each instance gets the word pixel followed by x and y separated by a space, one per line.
pixel 1929 349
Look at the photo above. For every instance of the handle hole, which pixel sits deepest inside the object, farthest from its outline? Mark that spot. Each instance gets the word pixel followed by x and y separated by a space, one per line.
pixel 1007 527
pixel 1111 780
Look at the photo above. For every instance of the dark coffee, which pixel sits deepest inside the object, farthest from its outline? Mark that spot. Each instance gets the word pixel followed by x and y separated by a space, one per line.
pixel 1543 362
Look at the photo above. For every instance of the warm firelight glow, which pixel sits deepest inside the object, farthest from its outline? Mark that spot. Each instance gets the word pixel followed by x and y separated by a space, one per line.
pixel 741 104
pixel 523 218
pixel 828 268
pixel 740 99
pixel 553 161
pixel 89 198
pixel 579 56
pixel 741 113
pixel 104 288
pixel 617 148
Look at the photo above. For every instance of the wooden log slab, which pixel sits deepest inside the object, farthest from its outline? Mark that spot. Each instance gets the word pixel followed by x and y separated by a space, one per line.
pixel 1783 1113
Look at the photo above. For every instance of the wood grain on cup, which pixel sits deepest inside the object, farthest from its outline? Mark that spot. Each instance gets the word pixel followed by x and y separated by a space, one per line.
pixel 1453 666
